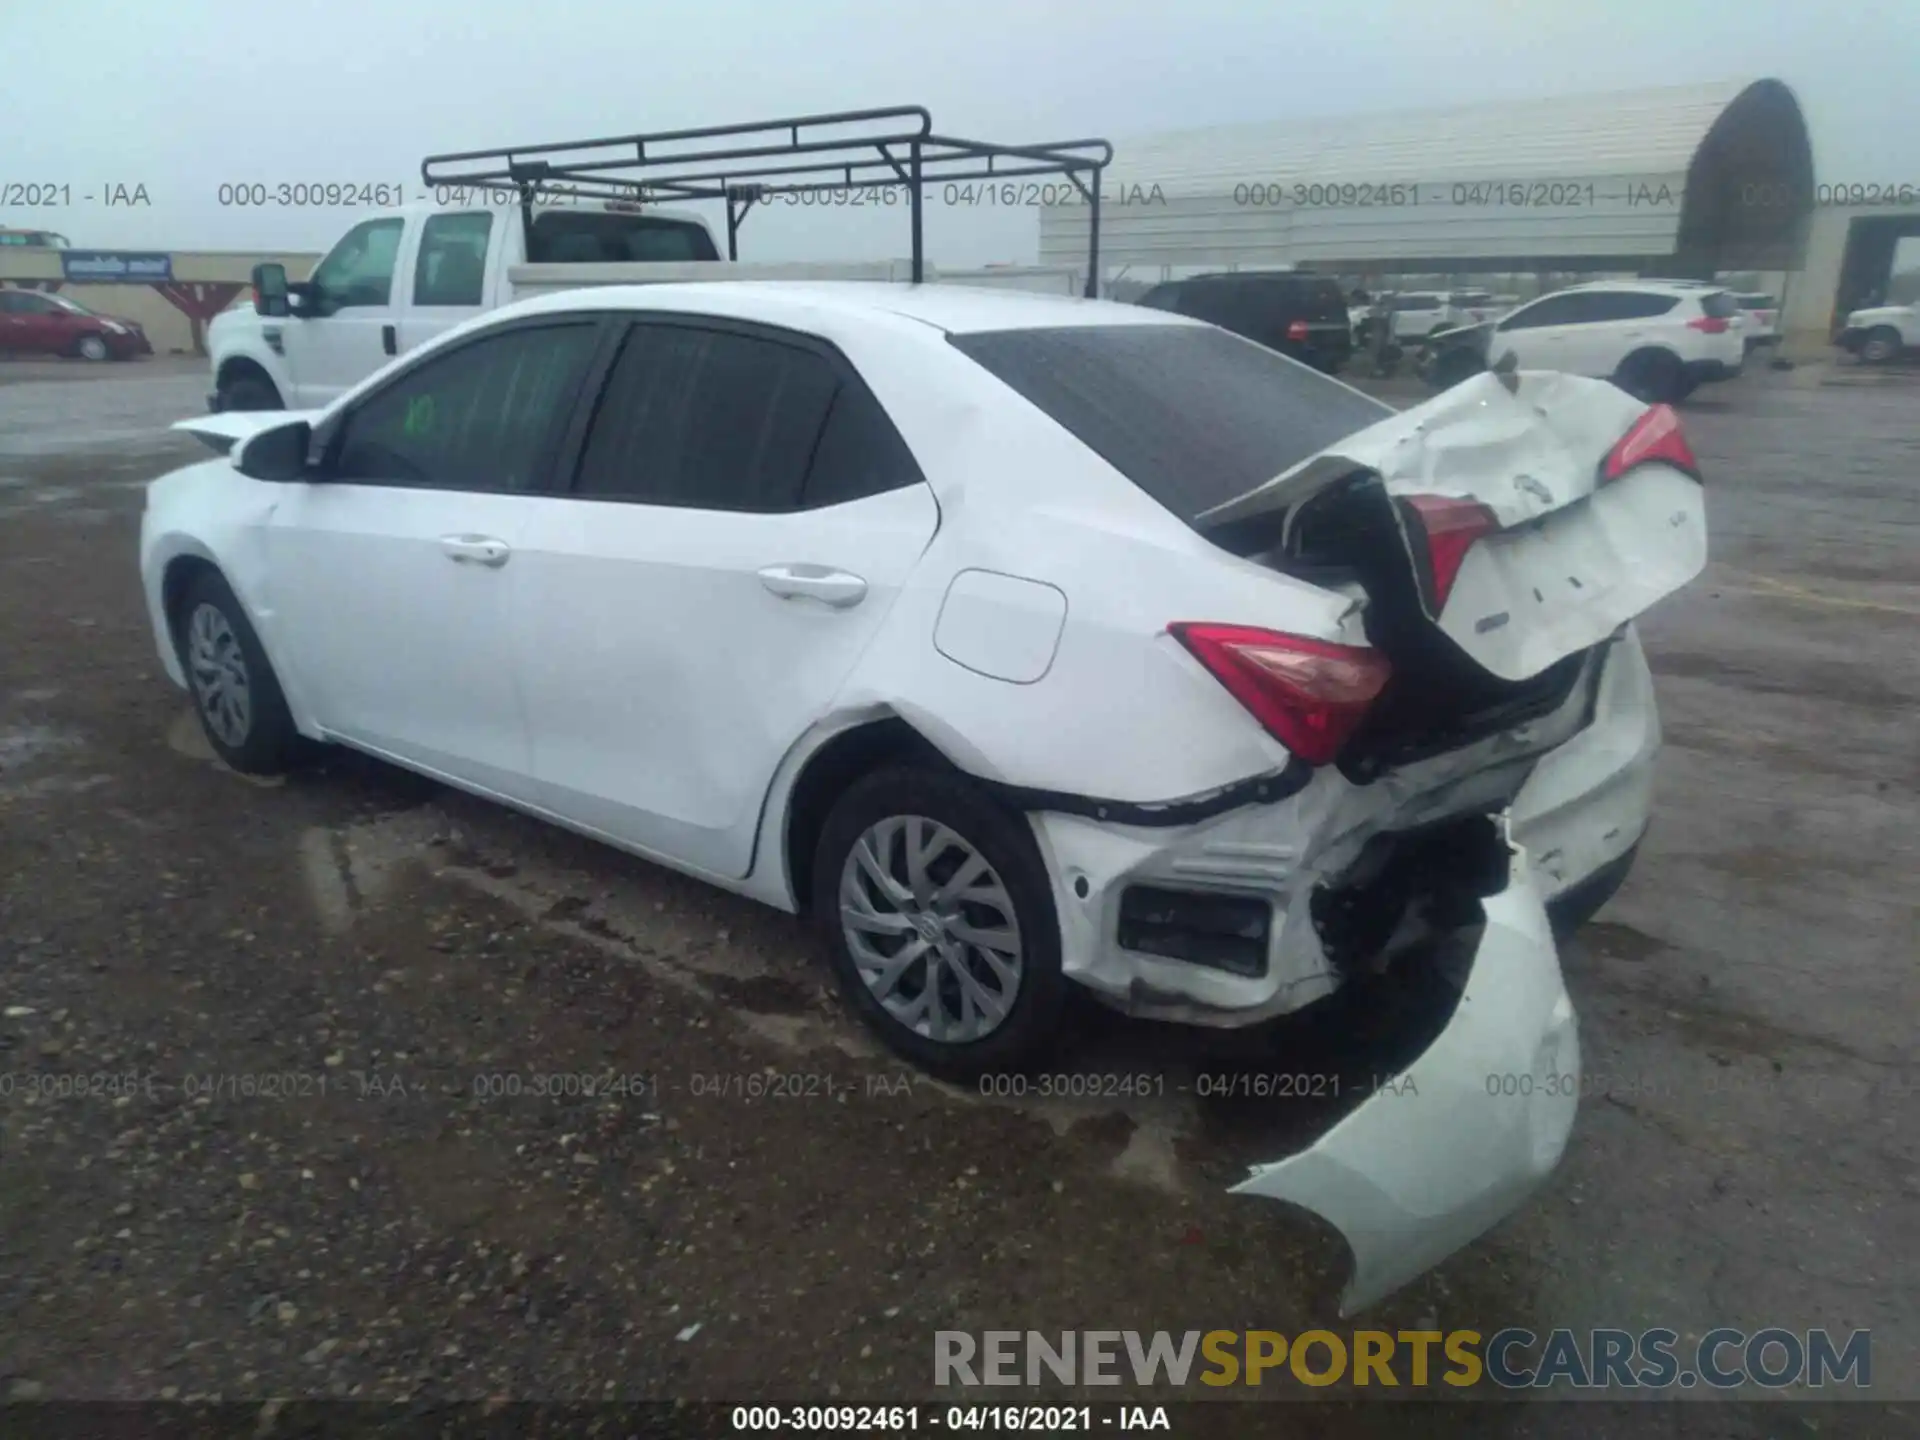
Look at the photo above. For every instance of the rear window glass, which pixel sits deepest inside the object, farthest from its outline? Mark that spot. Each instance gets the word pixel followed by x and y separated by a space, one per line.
pixel 1193 417
pixel 1719 305
pixel 1756 302
pixel 585 237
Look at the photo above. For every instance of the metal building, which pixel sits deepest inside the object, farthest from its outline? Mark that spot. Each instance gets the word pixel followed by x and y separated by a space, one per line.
pixel 1680 180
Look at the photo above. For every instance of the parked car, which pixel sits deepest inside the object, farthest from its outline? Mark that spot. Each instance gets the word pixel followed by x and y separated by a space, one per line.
pixel 37 322
pixel 1882 333
pixel 1294 312
pixel 11 238
pixel 1470 307
pixel 1762 314
pixel 1024 642
pixel 1657 340
pixel 1418 312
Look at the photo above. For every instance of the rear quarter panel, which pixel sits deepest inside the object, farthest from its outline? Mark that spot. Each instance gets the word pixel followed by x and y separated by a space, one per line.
pixel 1122 711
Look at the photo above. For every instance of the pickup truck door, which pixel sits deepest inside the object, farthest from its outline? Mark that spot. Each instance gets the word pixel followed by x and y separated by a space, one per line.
pixel 334 341
pixel 454 272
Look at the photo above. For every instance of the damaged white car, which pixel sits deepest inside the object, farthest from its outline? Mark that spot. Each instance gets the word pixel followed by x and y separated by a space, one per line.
pixel 1025 642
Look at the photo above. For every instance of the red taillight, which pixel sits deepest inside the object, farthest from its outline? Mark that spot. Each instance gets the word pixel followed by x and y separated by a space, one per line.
pixel 1452 526
pixel 1656 438
pixel 1297 332
pixel 1708 324
pixel 1309 694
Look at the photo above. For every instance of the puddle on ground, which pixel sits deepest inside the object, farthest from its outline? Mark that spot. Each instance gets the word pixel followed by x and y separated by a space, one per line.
pixel 353 869
pixel 22 745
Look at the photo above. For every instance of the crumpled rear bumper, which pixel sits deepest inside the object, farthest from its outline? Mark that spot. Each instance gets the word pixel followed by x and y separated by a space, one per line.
pixel 1458 1139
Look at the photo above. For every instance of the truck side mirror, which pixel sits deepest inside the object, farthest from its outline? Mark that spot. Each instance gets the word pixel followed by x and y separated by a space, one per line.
pixel 270 290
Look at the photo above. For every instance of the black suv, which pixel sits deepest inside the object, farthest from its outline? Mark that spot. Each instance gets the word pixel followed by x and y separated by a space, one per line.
pixel 1302 316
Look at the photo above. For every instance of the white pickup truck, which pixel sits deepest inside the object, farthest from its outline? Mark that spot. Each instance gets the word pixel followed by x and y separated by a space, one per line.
pixel 400 277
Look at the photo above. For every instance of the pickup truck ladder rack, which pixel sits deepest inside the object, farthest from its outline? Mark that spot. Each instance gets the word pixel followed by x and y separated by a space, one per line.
pixel 895 146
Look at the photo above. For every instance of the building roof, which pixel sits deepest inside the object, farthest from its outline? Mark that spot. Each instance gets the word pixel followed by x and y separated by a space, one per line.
pixel 1568 137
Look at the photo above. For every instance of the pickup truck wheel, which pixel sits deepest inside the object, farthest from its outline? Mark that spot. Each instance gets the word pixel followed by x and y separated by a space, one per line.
pixel 939 917
pixel 249 392
pixel 235 692
pixel 1651 375
pixel 1881 345
pixel 91 348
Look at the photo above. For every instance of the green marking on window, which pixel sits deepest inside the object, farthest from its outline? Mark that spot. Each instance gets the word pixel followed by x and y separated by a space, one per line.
pixel 419 416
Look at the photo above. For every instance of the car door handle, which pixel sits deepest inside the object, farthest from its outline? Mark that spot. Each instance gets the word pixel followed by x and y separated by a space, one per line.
pixel 835 588
pixel 476 550
pixel 389 340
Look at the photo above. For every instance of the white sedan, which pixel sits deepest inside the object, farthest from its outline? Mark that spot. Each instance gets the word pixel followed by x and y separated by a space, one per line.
pixel 1024 642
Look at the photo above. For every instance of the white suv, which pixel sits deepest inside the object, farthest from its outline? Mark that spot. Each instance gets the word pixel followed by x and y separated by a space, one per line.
pixel 1883 333
pixel 1658 340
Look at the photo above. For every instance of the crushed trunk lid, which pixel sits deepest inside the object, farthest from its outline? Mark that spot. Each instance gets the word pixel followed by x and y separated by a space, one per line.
pixel 1567 559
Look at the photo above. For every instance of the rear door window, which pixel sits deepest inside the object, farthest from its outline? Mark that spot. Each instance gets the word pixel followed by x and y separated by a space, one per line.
pixel 707 419
pixel 1193 417
pixel 452 268
pixel 1553 310
pixel 1627 305
pixel 860 452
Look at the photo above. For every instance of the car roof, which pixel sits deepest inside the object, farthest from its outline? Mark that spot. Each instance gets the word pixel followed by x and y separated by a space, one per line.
pixel 955 309
pixel 1656 287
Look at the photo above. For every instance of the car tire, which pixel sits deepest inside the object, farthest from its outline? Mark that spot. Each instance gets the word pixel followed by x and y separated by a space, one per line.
pixel 236 695
pixel 249 392
pixel 1881 346
pixel 1652 376
pixel 955 826
pixel 92 349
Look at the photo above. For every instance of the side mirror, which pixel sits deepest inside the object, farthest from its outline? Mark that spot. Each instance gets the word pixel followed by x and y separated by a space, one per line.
pixel 278 453
pixel 270 290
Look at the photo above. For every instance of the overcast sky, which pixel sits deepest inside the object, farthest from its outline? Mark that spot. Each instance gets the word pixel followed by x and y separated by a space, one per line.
pixel 183 95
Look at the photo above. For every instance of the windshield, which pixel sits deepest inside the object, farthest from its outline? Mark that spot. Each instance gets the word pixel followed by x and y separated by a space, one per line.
pixel 1193 415
pixel 65 303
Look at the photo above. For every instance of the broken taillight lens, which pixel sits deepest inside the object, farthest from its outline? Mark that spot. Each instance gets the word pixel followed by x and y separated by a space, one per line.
pixel 1656 438
pixel 1308 694
pixel 1451 527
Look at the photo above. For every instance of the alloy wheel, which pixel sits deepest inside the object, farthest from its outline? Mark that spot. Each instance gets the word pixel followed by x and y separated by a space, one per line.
pixel 218 668
pixel 931 929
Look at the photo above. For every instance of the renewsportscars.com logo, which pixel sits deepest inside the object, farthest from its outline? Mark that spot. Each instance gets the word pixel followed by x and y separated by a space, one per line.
pixel 1513 1358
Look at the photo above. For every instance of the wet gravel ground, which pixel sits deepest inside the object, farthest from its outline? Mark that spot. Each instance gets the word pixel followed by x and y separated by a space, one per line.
pixel 293 1073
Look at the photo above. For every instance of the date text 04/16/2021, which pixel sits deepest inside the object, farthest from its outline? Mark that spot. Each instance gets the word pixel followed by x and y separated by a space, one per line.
pixel 905 1419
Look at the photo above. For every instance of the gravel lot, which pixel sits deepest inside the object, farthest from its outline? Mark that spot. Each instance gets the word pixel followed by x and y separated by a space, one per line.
pixel 392 1221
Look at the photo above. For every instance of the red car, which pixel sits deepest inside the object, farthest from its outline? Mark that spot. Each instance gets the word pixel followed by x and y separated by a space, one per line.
pixel 36 322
